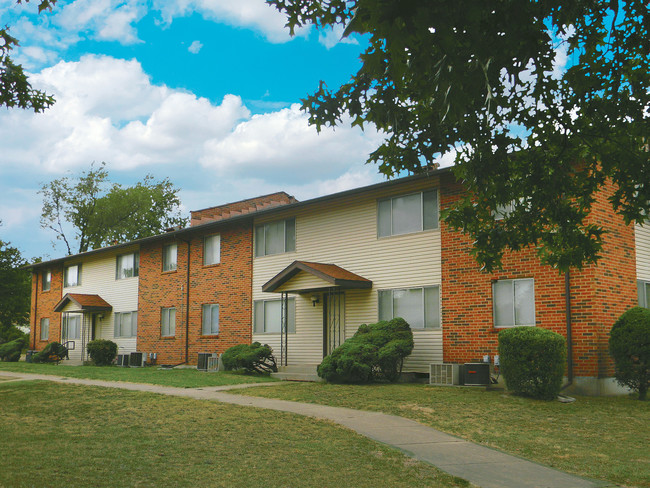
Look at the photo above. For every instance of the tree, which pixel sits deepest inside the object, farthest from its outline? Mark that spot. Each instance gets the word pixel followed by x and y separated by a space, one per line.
pixel 15 293
pixel 480 79
pixel 15 90
pixel 102 213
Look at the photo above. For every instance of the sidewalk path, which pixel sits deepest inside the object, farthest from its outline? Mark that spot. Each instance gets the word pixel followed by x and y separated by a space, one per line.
pixel 481 465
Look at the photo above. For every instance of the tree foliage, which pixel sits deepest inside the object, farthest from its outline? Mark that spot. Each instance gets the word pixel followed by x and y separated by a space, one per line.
pixel 102 351
pixel 629 345
pixel 102 213
pixel 15 291
pixel 252 358
pixel 482 80
pixel 15 90
pixel 53 352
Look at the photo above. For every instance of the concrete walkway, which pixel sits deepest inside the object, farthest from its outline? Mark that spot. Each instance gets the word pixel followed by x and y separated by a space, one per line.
pixel 481 465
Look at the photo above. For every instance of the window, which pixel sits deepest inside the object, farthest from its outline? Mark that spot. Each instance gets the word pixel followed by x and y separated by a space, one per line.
pixel 126 324
pixel 407 213
pixel 502 211
pixel 47 280
pixel 127 266
pixel 211 250
pixel 72 275
pixel 170 254
pixel 275 237
pixel 210 320
pixel 71 327
pixel 268 316
pixel 45 329
pixel 168 322
pixel 420 307
pixel 514 302
pixel 643 289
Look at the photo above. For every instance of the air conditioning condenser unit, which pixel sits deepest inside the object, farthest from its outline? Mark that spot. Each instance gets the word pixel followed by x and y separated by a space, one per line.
pixel 444 374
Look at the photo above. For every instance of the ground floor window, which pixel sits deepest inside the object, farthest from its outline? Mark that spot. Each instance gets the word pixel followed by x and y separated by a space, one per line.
pixel 643 289
pixel 420 307
pixel 268 316
pixel 210 319
pixel 126 324
pixel 168 322
pixel 513 302
pixel 45 329
pixel 71 327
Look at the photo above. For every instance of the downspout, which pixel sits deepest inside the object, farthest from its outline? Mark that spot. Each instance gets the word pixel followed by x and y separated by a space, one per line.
pixel 569 336
pixel 35 311
pixel 187 303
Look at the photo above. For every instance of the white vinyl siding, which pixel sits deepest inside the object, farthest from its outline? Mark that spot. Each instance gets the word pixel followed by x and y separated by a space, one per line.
pixel 47 280
pixel 127 266
pixel 125 324
pixel 72 275
pixel 275 237
pixel 643 291
pixel 168 322
pixel 420 307
pixel 212 250
pixel 268 316
pixel 406 214
pixel 170 257
pixel 514 302
pixel 45 329
pixel 210 319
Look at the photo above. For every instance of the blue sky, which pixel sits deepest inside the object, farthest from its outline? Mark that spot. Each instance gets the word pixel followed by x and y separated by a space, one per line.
pixel 204 92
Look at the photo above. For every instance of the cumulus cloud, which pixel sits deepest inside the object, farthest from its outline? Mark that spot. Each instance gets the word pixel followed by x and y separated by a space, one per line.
pixel 332 36
pixel 195 47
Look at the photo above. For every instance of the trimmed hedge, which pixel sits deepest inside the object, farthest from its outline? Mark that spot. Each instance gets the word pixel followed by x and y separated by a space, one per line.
pixel 52 353
pixel 102 351
pixel 252 358
pixel 629 345
pixel 10 351
pixel 532 361
pixel 374 352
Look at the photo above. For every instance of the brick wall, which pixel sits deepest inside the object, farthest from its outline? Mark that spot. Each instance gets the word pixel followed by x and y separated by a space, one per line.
pixel 42 306
pixel 227 284
pixel 239 208
pixel 599 293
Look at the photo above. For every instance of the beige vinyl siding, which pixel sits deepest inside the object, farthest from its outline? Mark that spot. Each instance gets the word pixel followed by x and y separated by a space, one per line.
pixel 344 232
pixel 303 281
pixel 642 238
pixel 98 278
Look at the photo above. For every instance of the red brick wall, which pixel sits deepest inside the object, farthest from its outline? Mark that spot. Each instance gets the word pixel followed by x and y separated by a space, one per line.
pixel 227 284
pixel 42 306
pixel 599 293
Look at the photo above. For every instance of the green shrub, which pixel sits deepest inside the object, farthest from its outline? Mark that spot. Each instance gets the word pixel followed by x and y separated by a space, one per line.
pixel 10 351
pixel 102 351
pixel 252 358
pixel 375 351
pixel 52 353
pixel 629 345
pixel 532 361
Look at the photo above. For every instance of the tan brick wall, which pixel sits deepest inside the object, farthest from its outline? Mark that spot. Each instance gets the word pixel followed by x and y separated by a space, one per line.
pixel 227 284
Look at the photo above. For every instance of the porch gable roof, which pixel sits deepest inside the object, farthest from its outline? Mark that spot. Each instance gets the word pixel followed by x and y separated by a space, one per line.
pixel 331 273
pixel 86 303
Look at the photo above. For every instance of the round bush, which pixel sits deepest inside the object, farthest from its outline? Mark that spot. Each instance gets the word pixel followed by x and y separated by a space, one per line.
pixel 629 345
pixel 252 358
pixel 52 353
pixel 102 351
pixel 10 351
pixel 532 361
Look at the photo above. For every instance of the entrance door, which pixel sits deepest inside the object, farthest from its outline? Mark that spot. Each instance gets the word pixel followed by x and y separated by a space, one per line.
pixel 333 320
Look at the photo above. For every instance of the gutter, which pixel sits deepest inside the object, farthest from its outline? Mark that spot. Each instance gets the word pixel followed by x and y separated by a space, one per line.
pixel 569 335
pixel 187 301
pixel 35 310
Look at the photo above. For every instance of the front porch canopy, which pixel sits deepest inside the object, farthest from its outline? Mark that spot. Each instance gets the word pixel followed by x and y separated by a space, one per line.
pixel 86 303
pixel 331 274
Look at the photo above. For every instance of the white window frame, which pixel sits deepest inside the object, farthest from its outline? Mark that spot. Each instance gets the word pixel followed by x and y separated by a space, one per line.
pixel 122 272
pixel 288 231
pixel 65 329
pixel 643 293
pixel 514 304
pixel 45 329
pixel 46 279
pixel 428 323
pixel 260 322
pixel 169 265
pixel 435 215
pixel 66 282
pixel 118 324
pixel 166 322
pixel 208 327
pixel 209 260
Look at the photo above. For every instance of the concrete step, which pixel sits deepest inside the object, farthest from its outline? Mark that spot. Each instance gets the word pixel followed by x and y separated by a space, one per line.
pixel 298 368
pixel 312 377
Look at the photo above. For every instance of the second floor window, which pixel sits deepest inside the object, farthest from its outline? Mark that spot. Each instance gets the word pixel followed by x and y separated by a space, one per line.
pixel 275 237
pixel 406 214
pixel 72 275
pixel 127 266
pixel 47 280
pixel 170 257
pixel 212 250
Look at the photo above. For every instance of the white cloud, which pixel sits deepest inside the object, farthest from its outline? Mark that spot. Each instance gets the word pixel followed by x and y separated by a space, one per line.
pixel 195 47
pixel 332 36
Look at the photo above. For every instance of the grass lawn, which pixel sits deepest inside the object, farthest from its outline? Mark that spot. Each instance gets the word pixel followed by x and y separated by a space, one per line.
pixel 184 378
pixel 78 436
pixel 596 437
